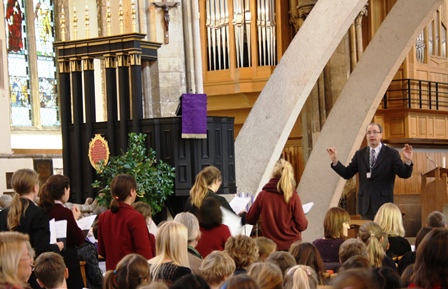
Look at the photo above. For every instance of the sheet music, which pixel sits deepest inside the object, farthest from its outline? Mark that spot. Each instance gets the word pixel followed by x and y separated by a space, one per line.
pixel 307 207
pixel 58 230
pixel 232 221
pixel 85 223
pixel 238 204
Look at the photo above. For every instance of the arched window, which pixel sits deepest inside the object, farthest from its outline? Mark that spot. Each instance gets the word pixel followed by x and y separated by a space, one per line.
pixel 31 63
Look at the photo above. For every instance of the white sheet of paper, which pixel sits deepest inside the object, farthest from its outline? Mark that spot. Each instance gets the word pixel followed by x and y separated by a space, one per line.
pixel 232 221
pixel 152 228
pixel 52 226
pixel 57 230
pixel 239 204
pixel 85 223
pixel 61 229
pixel 307 207
pixel 246 230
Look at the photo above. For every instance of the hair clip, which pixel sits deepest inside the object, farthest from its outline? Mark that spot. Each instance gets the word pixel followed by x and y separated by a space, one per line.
pixel 306 270
pixel 116 198
pixel 115 272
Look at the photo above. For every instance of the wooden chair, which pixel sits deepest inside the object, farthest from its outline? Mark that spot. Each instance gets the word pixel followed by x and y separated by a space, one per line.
pixel 82 265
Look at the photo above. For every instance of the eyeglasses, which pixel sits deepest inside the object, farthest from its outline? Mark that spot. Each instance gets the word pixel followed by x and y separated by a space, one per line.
pixel 373 132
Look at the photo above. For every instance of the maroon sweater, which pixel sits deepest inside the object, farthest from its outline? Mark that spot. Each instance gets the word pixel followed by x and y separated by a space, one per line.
pixel 122 233
pixel 213 239
pixel 281 222
pixel 75 237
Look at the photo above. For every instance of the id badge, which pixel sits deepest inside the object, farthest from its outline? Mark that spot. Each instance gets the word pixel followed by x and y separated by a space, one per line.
pixel 368 175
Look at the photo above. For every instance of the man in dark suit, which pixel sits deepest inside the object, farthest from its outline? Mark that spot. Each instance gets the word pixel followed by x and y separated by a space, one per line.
pixel 376 165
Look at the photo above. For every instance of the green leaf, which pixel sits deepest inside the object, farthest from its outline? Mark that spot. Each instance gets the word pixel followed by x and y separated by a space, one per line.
pixel 155 179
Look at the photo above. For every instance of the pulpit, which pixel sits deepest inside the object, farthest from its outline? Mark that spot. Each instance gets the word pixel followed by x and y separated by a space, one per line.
pixel 434 192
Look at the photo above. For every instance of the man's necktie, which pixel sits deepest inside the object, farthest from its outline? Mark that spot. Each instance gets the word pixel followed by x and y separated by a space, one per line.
pixel 372 158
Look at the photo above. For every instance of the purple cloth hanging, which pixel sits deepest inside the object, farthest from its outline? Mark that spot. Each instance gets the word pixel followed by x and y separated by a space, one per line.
pixel 194 116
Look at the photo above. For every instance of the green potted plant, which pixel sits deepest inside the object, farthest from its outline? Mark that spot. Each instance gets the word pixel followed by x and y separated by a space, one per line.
pixel 155 179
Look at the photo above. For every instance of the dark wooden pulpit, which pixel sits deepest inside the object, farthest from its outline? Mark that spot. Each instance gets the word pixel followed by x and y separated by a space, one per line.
pixel 434 192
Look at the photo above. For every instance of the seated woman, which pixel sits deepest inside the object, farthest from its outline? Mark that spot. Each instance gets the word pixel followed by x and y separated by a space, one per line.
pixel 243 250
pixel 265 248
pixel 214 233
pixel 54 194
pixel 430 270
pixel 390 219
pixel 307 254
pixel 301 276
pixel 267 275
pixel 132 271
pixel 336 225
pixel 171 261
pixel 373 236
pixel 216 268
pixel 16 259
pixel 194 234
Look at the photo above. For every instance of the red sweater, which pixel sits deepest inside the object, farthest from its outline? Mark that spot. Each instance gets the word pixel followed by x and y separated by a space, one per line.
pixel 122 233
pixel 213 239
pixel 75 237
pixel 281 222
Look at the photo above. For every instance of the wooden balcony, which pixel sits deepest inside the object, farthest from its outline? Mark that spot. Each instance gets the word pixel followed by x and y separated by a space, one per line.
pixel 415 111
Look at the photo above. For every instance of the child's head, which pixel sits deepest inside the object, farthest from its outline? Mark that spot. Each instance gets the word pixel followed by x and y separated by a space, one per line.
pixel 50 270
pixel 265 247
pixel 144 209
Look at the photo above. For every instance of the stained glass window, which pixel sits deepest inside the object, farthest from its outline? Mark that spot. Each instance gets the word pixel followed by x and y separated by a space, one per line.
pixel 31 63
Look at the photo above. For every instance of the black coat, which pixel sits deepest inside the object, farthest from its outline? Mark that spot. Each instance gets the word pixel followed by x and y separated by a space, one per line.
pixel 379 188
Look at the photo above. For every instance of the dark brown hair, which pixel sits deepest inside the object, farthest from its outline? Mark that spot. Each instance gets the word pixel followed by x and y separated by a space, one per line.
pixel 210 215
pixel 307 254
pixel 131 272
pixel 430 269
pixel 53 190
pixel 120 188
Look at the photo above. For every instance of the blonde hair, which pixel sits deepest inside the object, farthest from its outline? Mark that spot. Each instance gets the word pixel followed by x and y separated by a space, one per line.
pixel 204 179
pixel 11 250
pixel 216 267
pixel 265 247
pixel 334 222
pixel 23 182
pixel 284 171
pixel 191 222
pixel 390 219
pixel 171 243
pixel 301 277
pixel 267 275
pixel 371 234
pixel 242 249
